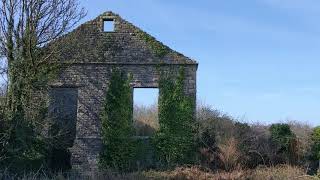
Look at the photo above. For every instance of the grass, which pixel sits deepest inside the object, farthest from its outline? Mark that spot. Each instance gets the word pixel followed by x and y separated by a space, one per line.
pixel 284 172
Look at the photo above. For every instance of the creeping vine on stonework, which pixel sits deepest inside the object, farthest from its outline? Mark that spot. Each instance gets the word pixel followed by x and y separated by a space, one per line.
pixel 157 47
pixel 119 148
pixel 174 142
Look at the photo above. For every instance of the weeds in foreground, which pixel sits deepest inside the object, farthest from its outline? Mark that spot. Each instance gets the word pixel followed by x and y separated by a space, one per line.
pixel 284 172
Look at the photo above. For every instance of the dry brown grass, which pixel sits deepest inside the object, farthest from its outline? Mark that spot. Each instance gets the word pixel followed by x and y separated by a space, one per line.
pixel 283 172
pixel 230 155
pixel 194 173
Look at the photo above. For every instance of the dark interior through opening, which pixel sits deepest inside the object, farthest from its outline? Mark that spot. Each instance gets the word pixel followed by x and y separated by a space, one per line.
pixel 63 115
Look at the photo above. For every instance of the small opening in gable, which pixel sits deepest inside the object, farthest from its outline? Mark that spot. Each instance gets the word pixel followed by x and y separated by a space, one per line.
pixel 108 25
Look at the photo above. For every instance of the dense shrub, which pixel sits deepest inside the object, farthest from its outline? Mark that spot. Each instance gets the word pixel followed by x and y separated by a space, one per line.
pixel 214 132
pixel 316 143
pixel 174 142
pixel 217 123
pixel 119 148
pixel 303 134
pixel 208 149
pixel 219 132
pixel 284 142
pixel 25 149
pixel 257 144
pixel 22 146
pixel 315 151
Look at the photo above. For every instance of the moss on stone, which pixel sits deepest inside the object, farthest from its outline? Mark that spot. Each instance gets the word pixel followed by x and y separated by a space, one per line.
pixel 157 47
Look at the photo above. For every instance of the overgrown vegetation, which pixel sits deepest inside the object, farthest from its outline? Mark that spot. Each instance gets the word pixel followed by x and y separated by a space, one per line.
pixel 120 149
pixel 26 28
pixel 316 142
pixel 284 172
pixel 284 143
pixel 174 142
pixel 315 149
pixel 225 143
pixel 215 145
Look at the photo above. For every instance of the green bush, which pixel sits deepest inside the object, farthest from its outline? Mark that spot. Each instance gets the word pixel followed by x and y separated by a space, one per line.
pixel 119 149
pixel 215 130
pixel 174 142
pixel 316 143
pixel 284 142
pixel 25 149
pixel 315 150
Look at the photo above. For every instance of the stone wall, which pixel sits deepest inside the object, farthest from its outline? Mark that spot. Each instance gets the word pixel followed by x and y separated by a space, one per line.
pixel 90 55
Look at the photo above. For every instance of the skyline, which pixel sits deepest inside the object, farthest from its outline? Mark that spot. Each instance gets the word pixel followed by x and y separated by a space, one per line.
pixel 257 59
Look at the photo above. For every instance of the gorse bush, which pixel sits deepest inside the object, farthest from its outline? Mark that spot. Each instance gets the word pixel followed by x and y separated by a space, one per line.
pixel 119 147
pixel 174 142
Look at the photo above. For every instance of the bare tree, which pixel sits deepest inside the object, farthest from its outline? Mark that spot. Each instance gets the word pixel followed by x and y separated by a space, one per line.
pixel 26 26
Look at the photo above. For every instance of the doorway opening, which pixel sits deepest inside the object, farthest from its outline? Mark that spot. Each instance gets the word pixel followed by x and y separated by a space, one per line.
pixel 145 111
pixel 63 114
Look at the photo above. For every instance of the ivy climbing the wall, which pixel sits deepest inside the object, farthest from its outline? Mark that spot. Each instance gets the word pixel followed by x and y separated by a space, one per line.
pixel 174 142
pixel 119 148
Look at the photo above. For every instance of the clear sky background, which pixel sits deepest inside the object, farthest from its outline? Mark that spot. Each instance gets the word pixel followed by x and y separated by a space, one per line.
pixel 258 59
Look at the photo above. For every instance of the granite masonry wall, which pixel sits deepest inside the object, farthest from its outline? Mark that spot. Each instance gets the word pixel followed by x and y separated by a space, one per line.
pixel 90 54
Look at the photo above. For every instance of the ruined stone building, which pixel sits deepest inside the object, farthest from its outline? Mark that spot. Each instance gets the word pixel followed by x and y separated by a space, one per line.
pixel 91 52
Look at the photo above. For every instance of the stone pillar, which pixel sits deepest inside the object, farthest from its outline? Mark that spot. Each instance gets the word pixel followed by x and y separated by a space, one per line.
pixel 88 142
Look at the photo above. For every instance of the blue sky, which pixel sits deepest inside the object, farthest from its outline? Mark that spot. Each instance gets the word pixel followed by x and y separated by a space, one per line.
pixel 258 59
